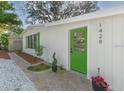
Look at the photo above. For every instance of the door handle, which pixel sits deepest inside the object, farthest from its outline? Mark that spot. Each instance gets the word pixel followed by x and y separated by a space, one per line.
pixel 70 50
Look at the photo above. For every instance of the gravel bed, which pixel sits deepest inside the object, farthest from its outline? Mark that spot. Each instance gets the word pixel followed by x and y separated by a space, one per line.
pixel 12 78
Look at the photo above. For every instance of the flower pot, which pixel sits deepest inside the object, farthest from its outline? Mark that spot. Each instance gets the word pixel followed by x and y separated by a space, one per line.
pixel 97 87
pixel 54 68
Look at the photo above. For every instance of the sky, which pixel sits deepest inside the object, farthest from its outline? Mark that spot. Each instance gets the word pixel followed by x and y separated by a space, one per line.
pixel 19 5
pixel 110 4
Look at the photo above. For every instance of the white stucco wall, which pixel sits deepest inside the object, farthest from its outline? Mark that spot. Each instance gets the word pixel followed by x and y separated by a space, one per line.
pixel 54 39
pixel 108 56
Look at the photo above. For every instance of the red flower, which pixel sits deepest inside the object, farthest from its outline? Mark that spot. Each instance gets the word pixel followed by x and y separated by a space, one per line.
pixel 99 81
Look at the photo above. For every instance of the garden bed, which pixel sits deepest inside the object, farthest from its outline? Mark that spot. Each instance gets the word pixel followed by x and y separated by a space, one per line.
pixel 4 55
pixel 29 58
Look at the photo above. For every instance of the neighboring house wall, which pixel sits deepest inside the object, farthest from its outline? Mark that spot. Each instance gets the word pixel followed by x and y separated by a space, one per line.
pixel 15 43
pixel 108 56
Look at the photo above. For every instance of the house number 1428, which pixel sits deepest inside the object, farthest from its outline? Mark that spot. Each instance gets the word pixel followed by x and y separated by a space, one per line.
pixel 100 34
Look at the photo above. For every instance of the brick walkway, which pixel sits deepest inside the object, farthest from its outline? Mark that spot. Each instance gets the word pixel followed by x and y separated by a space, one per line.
pixel 4 55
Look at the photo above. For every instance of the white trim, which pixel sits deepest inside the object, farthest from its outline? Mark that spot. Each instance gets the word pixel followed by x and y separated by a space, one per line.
pixel 69 50
pixel 88 51
pixel 31 27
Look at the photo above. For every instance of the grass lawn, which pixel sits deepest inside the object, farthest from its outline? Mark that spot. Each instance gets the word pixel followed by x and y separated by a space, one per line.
pixel 39 67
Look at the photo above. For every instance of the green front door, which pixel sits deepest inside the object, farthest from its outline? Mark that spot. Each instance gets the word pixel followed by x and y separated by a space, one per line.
pixel 78 49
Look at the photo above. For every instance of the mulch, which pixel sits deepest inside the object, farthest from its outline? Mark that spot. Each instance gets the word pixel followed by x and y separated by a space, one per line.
pixel 29 58
pixel 4 55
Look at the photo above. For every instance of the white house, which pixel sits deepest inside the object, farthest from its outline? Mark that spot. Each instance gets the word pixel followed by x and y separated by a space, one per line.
pixel 84 44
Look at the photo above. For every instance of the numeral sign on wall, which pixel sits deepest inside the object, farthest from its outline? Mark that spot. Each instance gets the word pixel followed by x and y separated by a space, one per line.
pixel 100 34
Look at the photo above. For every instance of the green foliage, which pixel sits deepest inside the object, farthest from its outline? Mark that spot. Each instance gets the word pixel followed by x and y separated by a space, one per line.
pixel 49 11
pixel 8 17
pixel 61 70
pixel 9 23
pixel 4 40
pixel 4 5
pixel 61 67
pixel 16 30
pixel 39 67
pixel 39 51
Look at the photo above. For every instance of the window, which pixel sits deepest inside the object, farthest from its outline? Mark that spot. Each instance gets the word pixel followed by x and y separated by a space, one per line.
pixel 79 41
pixel 31 41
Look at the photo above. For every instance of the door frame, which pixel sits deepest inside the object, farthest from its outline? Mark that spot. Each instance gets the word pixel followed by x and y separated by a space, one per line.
pixel 87 75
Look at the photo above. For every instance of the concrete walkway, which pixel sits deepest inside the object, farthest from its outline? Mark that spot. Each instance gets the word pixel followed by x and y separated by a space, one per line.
pixel 50 81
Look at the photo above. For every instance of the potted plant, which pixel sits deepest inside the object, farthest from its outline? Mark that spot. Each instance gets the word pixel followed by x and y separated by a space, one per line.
pixel 54 63
pixel 61 70
pixel 98 83
pixel 39 51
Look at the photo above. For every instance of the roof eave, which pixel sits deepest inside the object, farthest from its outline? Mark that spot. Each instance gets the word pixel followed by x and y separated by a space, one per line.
pixel 89 16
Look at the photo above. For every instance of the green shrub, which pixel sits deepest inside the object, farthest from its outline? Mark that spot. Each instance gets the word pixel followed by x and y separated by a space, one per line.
pixel 39 67
pixel 39 51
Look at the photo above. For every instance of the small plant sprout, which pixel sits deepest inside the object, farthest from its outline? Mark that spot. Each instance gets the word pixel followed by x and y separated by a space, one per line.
pixel 61 67
pixel 98 71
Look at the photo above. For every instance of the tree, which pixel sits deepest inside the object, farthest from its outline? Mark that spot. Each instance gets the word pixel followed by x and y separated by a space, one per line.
pixel 44 11
pixel 49 11
pixel 80 8
pixel 16 30
pixel 9 22
pixel 6 17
